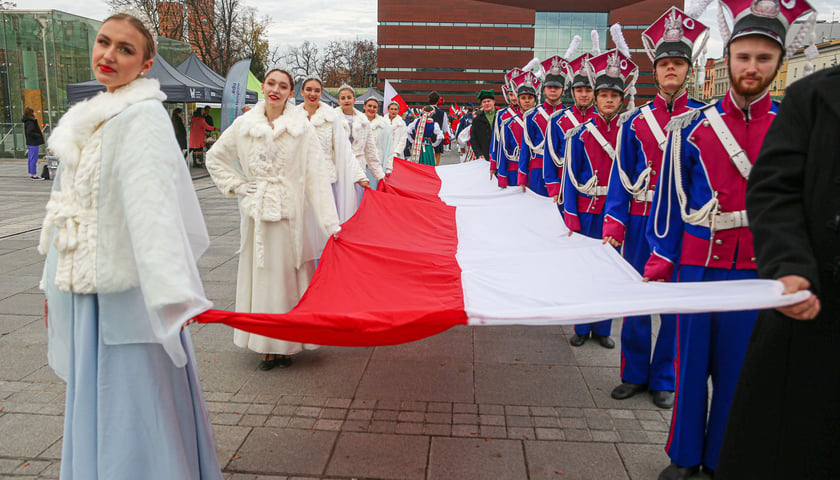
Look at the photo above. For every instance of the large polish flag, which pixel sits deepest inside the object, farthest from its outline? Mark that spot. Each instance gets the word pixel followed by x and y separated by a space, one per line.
pixel 443 246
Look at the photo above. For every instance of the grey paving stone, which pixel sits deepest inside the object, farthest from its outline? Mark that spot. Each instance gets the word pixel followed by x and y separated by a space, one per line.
pixel 490 409
pixel 429 381
pixel 657 437
pixel 464 408
pixel 379 456
pixel 572 422
pixel 518 421
pixel 385 415
pixel 414 406
pixel 475 459
pixel 388 405
pixel 253 420
pixel 543 412
pixel 327 424
pixel 9 465
pixel 339 402
pixel 599 424
pixel 493 431
pixel 633 436
pixel 576 434
pixel 465 418
pixel 284 451
pixel 432 417
pixel 334 413
pixel 622 413
pixel 228 440
pixel 303 411
pixel 382 427
pixel 302 422
pixel 285 410
pixel 413 417
pixel 355 426
pixel 18 440
pixel 32 467
pixel 313 401
pixel 409 428
pixel 626 424
pixel 492 419
pixel 654 425
pixel 363 403
pixel 546 422
pixel 359 414
pixel 643 462
pixel 465 431
pixel 260 409
pixel 513 344
pixel 437 429
pixel 440 407
pixel 573 461
pixel 523 433
pixel 549 434
pixel 227 419
pixel 604 436
pixel 531 385
pixel 277 421
pixel 517 410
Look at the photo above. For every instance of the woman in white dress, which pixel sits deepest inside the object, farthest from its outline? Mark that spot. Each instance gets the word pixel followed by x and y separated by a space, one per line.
pixel 343 170
pixel 122 234
pixel 271 160
pixel 382 133
pixel 398 129
pixel 359 131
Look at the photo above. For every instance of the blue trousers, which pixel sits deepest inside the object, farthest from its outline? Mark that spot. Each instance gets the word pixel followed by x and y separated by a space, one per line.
pixel 32 157
pixel 708 345
pixel 592 225
pixel 636 363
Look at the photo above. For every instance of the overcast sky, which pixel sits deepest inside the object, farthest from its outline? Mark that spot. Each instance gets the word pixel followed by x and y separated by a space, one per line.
pixel 320 20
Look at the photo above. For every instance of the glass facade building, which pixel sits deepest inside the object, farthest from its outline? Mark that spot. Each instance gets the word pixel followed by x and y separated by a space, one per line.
pixel 41 52
pixel 553 31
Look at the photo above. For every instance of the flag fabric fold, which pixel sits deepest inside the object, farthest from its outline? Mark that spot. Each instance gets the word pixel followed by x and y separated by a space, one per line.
pixel 437 247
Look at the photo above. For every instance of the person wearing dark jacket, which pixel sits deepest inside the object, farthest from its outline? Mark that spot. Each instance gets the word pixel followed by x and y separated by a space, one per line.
pixel 785 416
pixel 482 126
pixel 180 129
pixel 34 139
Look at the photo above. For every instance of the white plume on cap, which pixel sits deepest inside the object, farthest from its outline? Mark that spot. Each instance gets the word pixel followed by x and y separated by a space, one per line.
pixel 528 66
pixel 696 9
pixel 596 43
pixel 618 39
pixel 572 48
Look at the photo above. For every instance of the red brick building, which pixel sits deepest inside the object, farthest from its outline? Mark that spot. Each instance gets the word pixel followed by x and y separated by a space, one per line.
pixel 458 47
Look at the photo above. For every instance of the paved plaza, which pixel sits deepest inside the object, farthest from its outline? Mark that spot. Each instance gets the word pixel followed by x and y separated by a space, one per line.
pixel 507 403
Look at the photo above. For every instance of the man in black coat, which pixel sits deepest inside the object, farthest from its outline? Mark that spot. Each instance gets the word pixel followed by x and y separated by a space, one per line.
pixel 785 418
pixel 482 126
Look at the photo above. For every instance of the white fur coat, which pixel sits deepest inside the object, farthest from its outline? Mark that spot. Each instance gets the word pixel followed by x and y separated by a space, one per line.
pixel 364 143
pixel 123 221
pixel 285 161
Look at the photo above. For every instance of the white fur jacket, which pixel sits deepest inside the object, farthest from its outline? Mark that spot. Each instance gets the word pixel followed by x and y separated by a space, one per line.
pixel 384 142
pixel 122 221
pixel 398 132
pixel 334 140
pixel 364 143
pixel 286 163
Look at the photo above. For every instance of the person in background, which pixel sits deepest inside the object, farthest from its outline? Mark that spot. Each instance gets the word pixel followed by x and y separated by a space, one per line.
pixel 398 129
pixel 632 186
pixel 358 129
pixel 527 89
pixel 180 129
pixel 122 234
pixel 34 139
pixel 208 117
pixel 271 160
pixel 198 137
pixel 590 154
pixel 381 127
pixel 440 117
pixel 481 133
pixel 423 135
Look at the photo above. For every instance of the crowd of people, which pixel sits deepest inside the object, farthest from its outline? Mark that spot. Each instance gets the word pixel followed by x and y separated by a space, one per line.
pixel 670 184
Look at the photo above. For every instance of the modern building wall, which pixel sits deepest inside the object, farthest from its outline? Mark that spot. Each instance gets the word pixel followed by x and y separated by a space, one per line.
pixel 473 43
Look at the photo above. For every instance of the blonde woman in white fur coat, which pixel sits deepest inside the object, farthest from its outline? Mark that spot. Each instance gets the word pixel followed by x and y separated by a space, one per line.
pixel 359 131
pixel 122 235
pixel 271 160
pixel 343 170
pixel 398 129
pixel 382 133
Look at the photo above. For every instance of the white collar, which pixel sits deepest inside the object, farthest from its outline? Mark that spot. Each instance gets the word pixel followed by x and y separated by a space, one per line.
pixel 255 123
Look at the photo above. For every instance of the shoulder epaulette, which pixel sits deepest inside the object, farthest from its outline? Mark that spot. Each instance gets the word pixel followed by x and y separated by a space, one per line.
pixel 574 130
pixel 628 114
pixel 681 121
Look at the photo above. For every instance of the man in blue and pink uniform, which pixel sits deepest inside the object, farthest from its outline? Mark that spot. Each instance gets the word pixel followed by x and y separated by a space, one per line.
pixel 699 220
pixel 536 121
pixel 590 153
pixel 564 120
pixel 670 41
pixel 527 88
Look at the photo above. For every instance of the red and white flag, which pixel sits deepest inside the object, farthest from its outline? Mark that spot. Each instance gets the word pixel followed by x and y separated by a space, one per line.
pixel 443 246
pixel 392 95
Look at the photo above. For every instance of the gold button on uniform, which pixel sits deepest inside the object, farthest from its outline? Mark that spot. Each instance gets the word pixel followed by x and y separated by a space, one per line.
pixel 718 242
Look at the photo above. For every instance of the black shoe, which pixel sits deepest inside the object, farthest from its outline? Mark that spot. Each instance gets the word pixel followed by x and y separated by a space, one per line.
pixel 627 390
pixel 662 398
pixel 605 342
pixel 279 361
pixel 578 340
pixel 674 472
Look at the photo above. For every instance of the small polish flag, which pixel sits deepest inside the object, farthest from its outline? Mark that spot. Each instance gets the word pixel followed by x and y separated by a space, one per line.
pixel 427 252
pixel 392 95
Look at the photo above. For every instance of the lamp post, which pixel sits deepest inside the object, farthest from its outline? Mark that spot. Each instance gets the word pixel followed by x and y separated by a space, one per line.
pixel 43 22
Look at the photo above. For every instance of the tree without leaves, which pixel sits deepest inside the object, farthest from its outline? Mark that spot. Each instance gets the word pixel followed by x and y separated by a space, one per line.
pixel 5 5
pixel 348 61
pixel 303 60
